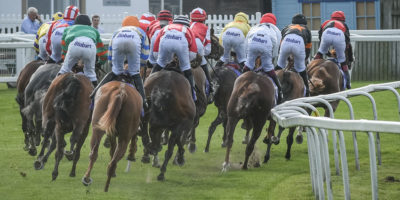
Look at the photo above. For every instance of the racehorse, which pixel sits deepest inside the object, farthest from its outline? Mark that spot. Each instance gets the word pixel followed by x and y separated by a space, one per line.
pixel 116 112
pixel 22 82
pixel 66 108
pixel 252 99
pixel 325 78
pixel 34 95
pixel 172 108
pixel 292 88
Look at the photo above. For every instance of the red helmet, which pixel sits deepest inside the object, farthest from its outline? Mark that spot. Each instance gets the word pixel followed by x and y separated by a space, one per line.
pixel 71 12
pixel 164 15
pixel 268 18
pixel 198 15
pixel 148 16
pixel 338 15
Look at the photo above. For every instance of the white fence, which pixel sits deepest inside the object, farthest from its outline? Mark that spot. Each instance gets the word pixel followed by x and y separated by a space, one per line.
pixel 293 113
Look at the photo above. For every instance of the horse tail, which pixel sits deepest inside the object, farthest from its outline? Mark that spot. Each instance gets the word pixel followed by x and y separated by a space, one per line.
pixel 64 102
pixel 108 120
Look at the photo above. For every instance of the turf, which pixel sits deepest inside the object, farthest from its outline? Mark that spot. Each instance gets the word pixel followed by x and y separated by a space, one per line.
pixel 200 177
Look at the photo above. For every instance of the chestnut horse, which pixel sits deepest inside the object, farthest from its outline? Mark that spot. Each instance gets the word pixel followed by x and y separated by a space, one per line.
pixel 34 95
pixel 252 99
pixel 22 82
pixel 116 112
pixel 171 108
pixel 66 108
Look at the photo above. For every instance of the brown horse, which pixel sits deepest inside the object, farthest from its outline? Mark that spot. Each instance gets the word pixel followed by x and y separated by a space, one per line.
pixel 116 112
pixel 325 78
pixel 34 95
pixel 66 108
pixel 22 82
pixel 292 88
pixel 252 100
pixel 171 108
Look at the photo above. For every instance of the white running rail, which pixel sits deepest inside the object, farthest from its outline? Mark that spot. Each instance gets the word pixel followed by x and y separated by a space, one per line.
pixel 293 113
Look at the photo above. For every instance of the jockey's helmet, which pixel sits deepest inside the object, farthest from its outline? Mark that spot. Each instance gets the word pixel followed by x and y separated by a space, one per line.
pixel 241 17
pixel 130 21
pixel 148 16
pixel 56 16
pixel 198 15
pixel 299 19
pixel 181 19
pixel 164 15
pixel 268 18
pixel 71 12
pixel 83 20
pixel 338 15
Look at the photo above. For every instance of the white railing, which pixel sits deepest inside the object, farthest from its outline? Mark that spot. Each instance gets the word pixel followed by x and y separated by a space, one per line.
pixel 293 113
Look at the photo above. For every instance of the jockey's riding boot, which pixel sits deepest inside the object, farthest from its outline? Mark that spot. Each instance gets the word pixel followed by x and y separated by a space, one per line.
pixel 94 83
pixel 219 63
pixel 50 60
pixel 137 80
pixel 274 77
pixel 345 69
pixel 188 74
pixel 107 78
pixel 205 69
pixel 304 76
pixel 318 55
pixel 156 68
pixel 277 68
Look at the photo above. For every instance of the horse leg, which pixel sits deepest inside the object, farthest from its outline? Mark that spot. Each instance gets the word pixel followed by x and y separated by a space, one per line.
pixel 60 149
pixel 192 140
pixel 211 130
pixel 25 129
pixel 257 128
pixel 179 158
pixel 94 146
pixel 155 135
pixel 230 130
pixel 171 144
pixel 76 134
pixel 289 141
pixel 164 137
pixel 132 149
pixel 47 134
pixel 224 124
pixel 118 154
pixel 267 140
pixel 31 133
pixel 38 130
pixel 77 151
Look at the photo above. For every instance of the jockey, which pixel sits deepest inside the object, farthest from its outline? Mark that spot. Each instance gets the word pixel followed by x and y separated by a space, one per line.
pixel 53 46
pixel 164 18
pixel 296 41
pixel 145 20
pixel 334 32
pixel 129 42
pixel 263 40
pixel 233 36
pixel 202 33
pixel 40 40
pixel 82 42
pixel 178 39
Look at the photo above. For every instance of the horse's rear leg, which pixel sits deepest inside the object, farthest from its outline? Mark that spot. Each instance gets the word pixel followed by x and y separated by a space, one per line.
pixel 289 141
pixel 60 150
pixel 230 130
pixel 31 137
pixel 257 128
pixel 25 130
pixel 132 149
pixel 118 154
pixel 94 146
pixel 192 140
pixel 38 130
pixel 171 144
pixel 179 158
pixel 77 152
pixel 218 120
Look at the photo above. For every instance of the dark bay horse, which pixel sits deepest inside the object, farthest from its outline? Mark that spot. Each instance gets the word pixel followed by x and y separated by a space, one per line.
pixel 171 108
pixel 292 88
pixel 66 108
pixel 34 95
pixel 116 112
pixel 22 82
pixel 252 99
pixel 325 78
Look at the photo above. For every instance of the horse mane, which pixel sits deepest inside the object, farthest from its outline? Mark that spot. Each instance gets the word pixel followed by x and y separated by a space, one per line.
pixel 108 120
pixel 65 101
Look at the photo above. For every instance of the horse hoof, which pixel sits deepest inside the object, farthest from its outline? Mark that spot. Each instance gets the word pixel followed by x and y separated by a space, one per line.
pixel 131 158
pixel 266 140
pixel 161 177
pixel 69 155
pixel 225 167
pixel 223 145
pixel 107 143
pixel 26 148
pixel 145 159
pixel 38 165
pixel 54 176
pixel 192 147
pixel 206 150
pixel 72 174
pixel 180 161
pixel 287 156
pixel 32 152
pixel 275 140
pixel 266 159
pixel 299 139
pixel 87 181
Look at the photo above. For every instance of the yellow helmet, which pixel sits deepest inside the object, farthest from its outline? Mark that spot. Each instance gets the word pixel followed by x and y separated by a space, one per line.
pixel 242 17
pixel 57 16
